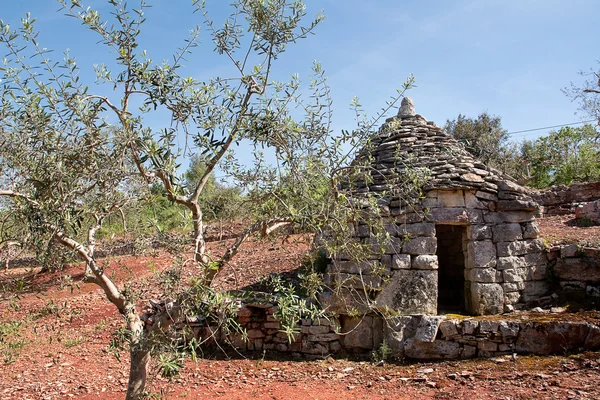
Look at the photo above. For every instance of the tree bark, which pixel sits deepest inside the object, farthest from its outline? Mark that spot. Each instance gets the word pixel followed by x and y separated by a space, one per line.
pixel 138 372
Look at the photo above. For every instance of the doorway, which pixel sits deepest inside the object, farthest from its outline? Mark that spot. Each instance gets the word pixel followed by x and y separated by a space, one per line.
pixel 451 248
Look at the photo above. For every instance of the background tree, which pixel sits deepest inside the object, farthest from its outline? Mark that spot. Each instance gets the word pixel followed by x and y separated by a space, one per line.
pixel 587 94
pixel 485 139
pixel 565 156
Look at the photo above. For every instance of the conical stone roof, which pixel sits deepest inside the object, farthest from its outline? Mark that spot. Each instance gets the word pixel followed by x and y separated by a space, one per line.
pixel 410 141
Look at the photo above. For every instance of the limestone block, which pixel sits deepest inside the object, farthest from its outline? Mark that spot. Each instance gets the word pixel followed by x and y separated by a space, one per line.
pixel 456 216
pixel 437 350
pixel 427 328
pixel 410 292
pixel 418 229
pixel 538 272
pixel 535 289
pixel 486 196
pixel 363 231
pixel 486 298
pixel 512 297
pixel 351 267
pixel 482 275
pixel 578 269
pixel 551 337
pixel 507 232
pixel 471 201
pixel 479 232
pixel 569 250
pixel 482 254
pixel 508 217
pixel 358 281
pixel 453 198
pixel 537 258
pixel 386 261
pixel 513 286
pixel 425 262
pixel 508 186
pixel 530 230
pixel 592 341
pixel 357 332
pixel 409 218
pixel 401 261
pixel 420 246
pixel 449 329
pixel 397 330
pixel 469 326
pixel 487 346
pixel 515 275
pixel 519 248
pixel 341 300
pixel 489 326
pixel 318 329
pixel 516 205
pixel 468 351
pixel 510 262
pixel 510 331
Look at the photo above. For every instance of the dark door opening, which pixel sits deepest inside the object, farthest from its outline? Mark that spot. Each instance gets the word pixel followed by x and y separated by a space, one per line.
pixel 451 240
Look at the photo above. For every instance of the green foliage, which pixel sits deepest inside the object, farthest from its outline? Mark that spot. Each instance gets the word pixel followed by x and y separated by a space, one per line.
pixel 484 138
pixel 563 157
pixel 169 365
pixel 382 353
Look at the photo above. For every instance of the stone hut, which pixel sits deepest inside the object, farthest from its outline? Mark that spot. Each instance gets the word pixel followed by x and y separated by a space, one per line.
pixel 469 246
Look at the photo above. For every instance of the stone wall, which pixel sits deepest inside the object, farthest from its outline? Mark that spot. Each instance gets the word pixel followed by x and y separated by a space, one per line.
pixel 563 199
pixel 574 269
pixel 318 337
pixel 430 338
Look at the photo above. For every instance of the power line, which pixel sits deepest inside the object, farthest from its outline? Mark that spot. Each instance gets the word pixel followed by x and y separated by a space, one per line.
pixel 550 127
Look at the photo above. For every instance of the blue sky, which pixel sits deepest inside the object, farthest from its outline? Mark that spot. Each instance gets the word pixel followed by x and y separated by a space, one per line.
pixel 508 57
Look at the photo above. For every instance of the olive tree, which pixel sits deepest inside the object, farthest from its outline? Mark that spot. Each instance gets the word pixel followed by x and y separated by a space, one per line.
pixel 70 157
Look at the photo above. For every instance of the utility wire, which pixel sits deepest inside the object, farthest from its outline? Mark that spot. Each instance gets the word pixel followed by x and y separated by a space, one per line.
pixel 550 127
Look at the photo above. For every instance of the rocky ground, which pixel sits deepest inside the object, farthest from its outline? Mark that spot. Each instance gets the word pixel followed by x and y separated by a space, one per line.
pixel 55 333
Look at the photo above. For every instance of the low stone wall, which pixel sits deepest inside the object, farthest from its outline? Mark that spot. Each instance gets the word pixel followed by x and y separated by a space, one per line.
pixel 419 337
pixel 575 269
pixel 317 337
pixel 437 338
pixel 563 199
pixel 590 211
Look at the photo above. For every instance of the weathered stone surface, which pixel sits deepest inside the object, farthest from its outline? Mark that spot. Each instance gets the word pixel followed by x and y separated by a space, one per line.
pixel 510 262
pixel 519 248
pixel 513 286
pixel 437 350
pixel 410 292
pixel 592 341
pixel 516 205
pixel 449 329
pixel 456 216
pixel 407 107
pixel 351 267
pixel 454 198
pixel 535 289
pixel 486 298
pixel 507 233
pixel 425 262
pixel 418 229
pixel 420 246
pixel 509 331
pixel 488 275
pixel 358 281
pixel 508 217
pixel 482 254
pixel 471 201
pixel 469 326
pixel 512 297
pixel 357 332
pixel 580 268
pixel 397 330
pixel 479 232
pixel 537 258
pixel 427 328
pixel 538 272
pixel 401 261
pixel 515 275
pixel 508 186
pixel 569 250
pixel 530 230
pixel 548 338
pixel 486 326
